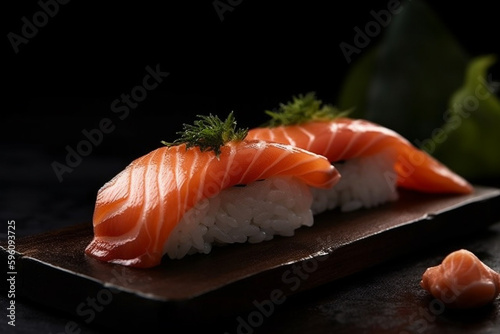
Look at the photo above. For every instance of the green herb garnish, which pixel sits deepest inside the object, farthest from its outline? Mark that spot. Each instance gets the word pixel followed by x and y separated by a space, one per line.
pixel 301 109
pixel 209 133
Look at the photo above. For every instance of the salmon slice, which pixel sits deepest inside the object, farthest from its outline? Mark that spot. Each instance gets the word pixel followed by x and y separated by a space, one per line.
pixel 345 138
pixel 137 210
pixel 462 281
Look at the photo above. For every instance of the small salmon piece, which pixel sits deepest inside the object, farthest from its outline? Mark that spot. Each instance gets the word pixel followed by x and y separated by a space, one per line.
pixel 345 138
pixel 462 281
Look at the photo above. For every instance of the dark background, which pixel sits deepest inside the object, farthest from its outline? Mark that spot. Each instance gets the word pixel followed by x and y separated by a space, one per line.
pixel 90 53
pixel 64 80
pixel 66 77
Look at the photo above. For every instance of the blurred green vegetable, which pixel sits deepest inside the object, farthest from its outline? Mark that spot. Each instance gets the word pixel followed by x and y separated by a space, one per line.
pixel 414 80
pixel 469 140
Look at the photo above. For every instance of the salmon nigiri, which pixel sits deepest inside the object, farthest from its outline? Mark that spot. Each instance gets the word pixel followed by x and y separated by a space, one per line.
pixel 462 281
pixel 211 186
pixel 373 160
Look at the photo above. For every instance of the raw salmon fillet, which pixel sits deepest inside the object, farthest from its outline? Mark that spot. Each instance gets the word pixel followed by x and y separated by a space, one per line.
pixel 344 138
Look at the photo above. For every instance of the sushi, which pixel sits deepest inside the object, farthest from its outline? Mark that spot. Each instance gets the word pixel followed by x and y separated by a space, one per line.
pixel 373 160
pixel 209 187
pixel 462 281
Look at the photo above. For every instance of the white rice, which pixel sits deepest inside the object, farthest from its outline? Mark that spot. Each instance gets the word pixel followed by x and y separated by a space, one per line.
pixel 279 205
pixel 365 182
pixel 252 213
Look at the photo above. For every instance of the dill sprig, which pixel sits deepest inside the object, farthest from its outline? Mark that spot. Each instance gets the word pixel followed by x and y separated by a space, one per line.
pixel 301 109
pixel 209 133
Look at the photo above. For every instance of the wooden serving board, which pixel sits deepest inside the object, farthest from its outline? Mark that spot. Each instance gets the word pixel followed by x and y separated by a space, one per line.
pixel 52 268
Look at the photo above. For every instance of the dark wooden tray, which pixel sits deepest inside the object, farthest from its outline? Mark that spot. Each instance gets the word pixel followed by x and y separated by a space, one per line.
pixel 53 270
